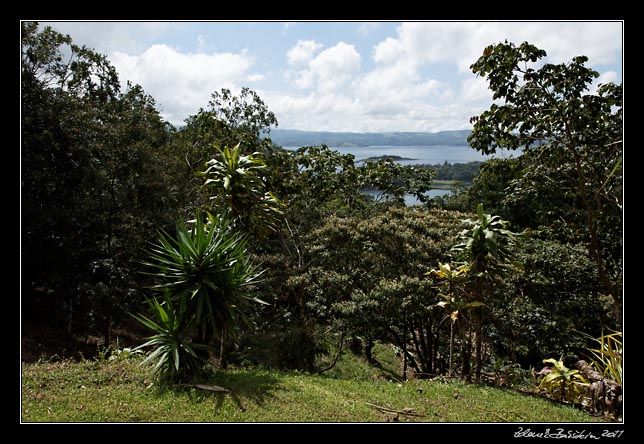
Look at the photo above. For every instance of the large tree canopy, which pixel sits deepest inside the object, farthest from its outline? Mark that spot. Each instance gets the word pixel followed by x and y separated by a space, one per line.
pixel 572 140
pixel 93 185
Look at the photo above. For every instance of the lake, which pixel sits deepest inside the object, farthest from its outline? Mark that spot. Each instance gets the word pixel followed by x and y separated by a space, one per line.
pixel 428 155
pixel 422 155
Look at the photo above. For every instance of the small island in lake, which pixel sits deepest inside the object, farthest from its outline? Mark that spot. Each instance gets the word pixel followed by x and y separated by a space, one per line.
pixel 377 158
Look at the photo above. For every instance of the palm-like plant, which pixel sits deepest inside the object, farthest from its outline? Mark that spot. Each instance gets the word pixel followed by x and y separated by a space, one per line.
pixel 175 355
pixel 236 183
pixel 206 268
pixel 486 244
pixel 454 298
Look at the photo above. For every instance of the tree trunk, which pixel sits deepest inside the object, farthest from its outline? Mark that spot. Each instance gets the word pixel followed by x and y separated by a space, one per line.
pixel 467 353
pixel 223 360
pixel 436 366
pixel 478 344
pixel 368 347
pixel 451 349
pixel 404 348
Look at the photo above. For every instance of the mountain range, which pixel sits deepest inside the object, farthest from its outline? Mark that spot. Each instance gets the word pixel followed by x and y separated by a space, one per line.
pixel 297 138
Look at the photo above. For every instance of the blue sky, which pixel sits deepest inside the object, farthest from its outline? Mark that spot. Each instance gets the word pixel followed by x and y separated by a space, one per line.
pixel 336 76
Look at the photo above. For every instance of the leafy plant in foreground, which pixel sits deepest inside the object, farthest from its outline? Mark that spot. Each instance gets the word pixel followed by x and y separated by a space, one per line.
pixel 607 358
pixel 209 275
pixel 561 382
pixel 175 355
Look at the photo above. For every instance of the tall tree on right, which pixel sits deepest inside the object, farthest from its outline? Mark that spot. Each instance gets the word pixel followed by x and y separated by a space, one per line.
pixel 572 139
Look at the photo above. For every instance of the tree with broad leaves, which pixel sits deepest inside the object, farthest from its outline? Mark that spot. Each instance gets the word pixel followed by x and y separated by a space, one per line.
pixel 487 245
pixel 549 112
pixel 237 188
pixel 93 182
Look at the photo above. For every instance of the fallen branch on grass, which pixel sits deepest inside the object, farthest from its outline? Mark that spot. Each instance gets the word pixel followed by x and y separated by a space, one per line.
pixel 387 410
pixel 218 389
pixel 212 388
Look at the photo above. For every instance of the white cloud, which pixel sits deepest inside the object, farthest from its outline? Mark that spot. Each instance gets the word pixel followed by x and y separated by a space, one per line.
pixel 340 112
pixel 606 77
pixel 255 77
pixel 388 51
pixel 201 42
pixel 421 80
pixel 335 65
pixel 326 71
pixel 394 88
pixel 181 83
pixel 107 37
pixel 418 77
pixel 475 90
pixel 302 53
pixel 461 43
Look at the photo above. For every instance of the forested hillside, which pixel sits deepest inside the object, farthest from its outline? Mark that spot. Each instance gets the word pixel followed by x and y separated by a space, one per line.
pixel 231 250
pixel 295 138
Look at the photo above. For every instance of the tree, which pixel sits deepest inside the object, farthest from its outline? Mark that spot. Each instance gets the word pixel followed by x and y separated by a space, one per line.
pixel 487 246
pixel 236 188
pixel 569 134
pixel 244 117
pixel 93 183
pixel 366 277
pixel 454 297
pixel 228 120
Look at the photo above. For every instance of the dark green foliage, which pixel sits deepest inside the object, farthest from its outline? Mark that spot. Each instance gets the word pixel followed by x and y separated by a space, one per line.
pixel 538 312
pixel 367 277
pixel 102 174
pixel 487 246
pixel 174 356
pixel 573 143
pixel 208 266
pixel 462 172
pixel 93 184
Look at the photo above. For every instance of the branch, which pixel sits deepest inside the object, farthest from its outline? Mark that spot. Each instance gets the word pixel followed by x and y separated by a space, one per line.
pixel 212 388
pixel 385 409
pixel 337 356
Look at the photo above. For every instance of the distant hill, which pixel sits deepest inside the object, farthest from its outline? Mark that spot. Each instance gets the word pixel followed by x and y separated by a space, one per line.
pixel 297 138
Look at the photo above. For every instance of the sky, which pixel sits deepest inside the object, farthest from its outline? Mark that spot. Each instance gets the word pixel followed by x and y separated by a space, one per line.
pixel 336 75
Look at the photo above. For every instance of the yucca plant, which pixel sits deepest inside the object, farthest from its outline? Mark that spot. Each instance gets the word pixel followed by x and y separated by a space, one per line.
pixel 562 382
pixel 208 272
pixel 175 355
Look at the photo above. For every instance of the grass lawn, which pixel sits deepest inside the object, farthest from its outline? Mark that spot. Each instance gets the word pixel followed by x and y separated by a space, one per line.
pixel 121 391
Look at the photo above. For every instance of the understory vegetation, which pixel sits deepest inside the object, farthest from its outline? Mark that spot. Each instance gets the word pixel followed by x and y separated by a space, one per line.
pixel 268 272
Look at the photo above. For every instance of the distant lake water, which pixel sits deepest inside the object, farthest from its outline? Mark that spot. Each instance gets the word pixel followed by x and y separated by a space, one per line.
pixel 422 155
pixel 428 155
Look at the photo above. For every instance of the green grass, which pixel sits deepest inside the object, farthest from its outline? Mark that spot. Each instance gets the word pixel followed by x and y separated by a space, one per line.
pixel 122 391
